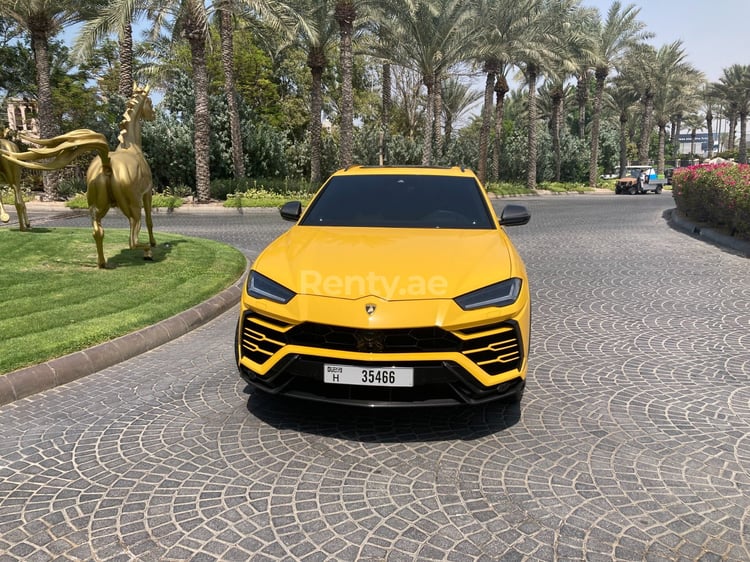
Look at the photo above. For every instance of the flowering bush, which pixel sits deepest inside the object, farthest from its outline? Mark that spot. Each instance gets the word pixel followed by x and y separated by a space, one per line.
pixel 718 194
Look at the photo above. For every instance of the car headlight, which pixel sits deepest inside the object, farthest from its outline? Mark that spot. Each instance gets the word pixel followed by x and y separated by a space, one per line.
pixel 499 294
pixel 261 287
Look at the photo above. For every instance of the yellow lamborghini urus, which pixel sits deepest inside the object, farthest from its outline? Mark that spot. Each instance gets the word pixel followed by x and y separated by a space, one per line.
pixel 396 286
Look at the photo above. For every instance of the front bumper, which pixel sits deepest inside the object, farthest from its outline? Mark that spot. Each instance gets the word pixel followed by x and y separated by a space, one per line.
pixel 469 366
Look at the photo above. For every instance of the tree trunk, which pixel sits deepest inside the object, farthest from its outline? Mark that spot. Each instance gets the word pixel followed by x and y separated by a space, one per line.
pixel 345 14
pixel 437 120
pixel 125 85
pixel 710 126
pixel 648 107
pixel 662 145
pixel 385 123
pixel 556 119
pixel 227 61
pixel 196 36
pixel 532 144
pixel 501 88
pixel 484 131
pixel 732 117
pixel 601 77
pixel 623 143
pixel 316 63
pixel 448 132
pixel 427 127
pixel 693 132
pixel 48 126
pixel 742 155
pixel 582 97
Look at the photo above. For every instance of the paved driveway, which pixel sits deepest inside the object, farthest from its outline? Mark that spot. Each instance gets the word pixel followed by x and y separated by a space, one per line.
pixel 632 442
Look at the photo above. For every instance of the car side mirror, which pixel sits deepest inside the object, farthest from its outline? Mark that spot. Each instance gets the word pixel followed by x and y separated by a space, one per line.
pixel 514 215
pixel 291 211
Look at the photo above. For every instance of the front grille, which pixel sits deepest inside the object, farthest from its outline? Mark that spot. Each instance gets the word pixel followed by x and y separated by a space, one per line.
pixel 261 337
pixel 495 348
pixel 407 340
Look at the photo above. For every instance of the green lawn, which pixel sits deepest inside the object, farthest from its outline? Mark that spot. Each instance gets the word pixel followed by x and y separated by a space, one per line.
pixel 56 301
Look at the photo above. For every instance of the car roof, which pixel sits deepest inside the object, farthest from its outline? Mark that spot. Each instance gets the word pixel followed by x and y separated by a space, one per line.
pixel 456 171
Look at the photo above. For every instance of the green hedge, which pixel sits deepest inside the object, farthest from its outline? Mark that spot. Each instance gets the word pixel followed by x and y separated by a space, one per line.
pixel 717 194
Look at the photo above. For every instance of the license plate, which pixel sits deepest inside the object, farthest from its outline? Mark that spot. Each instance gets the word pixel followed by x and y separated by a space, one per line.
pixel 369 376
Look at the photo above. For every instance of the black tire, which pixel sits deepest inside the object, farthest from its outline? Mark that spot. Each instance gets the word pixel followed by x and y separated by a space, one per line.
pixel 658 189
pixel 633 190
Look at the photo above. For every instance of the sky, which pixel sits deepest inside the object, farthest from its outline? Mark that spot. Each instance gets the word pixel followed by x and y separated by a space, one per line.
pixel 714 34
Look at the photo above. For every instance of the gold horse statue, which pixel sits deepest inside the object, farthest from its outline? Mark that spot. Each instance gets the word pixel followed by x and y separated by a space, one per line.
pixel 119 178
pixel 10 173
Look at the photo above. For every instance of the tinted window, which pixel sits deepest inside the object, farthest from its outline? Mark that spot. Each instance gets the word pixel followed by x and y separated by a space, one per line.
pixel 407 201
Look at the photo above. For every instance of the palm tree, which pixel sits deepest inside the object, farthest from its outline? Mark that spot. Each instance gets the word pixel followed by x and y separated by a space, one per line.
pixel 574 42
pixel 583 28
pixel 500 89
pixel 277 17
pixel 189 21
pixel 457 99
pixel 117 17
pixel 694 122
pixel 555 90
pixel 501 39
pixel 42 20
pixel 622 97
pixel 314 31
pixel 226 33
pixel 673 91
pixel 345 12
pixel 547 22
pixel 428 36
pixel 734 89
pixel 112 18
pixel 619 32
pixel 186 20
pixel 709 102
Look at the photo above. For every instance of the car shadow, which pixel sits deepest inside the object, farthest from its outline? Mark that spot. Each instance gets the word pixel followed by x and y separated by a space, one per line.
pixel 383 425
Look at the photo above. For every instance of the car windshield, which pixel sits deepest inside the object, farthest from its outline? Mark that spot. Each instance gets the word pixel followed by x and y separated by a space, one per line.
pixel 635 173
pixel 400 201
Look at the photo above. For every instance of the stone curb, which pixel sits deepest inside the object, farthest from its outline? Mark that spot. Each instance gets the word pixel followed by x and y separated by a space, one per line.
pixel 36 378
pixel 710 234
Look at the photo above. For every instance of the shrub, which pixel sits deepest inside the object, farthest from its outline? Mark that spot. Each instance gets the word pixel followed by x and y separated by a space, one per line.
pixel 158 200
pixel 68 188
pixel 224 189
pixel 718 194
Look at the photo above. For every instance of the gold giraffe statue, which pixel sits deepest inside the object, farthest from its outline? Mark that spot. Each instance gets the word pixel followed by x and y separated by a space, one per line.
pixel 10 173
pixel 120 178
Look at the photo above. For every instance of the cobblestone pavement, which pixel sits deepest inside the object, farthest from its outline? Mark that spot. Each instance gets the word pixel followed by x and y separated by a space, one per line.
pixel 632 442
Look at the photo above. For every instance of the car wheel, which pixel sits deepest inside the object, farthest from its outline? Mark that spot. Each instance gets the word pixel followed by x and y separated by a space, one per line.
pixel 633 190
pixel 657 190
pixel 618 190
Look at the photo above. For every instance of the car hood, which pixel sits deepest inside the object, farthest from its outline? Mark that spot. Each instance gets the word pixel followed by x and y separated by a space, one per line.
pixel 389 263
